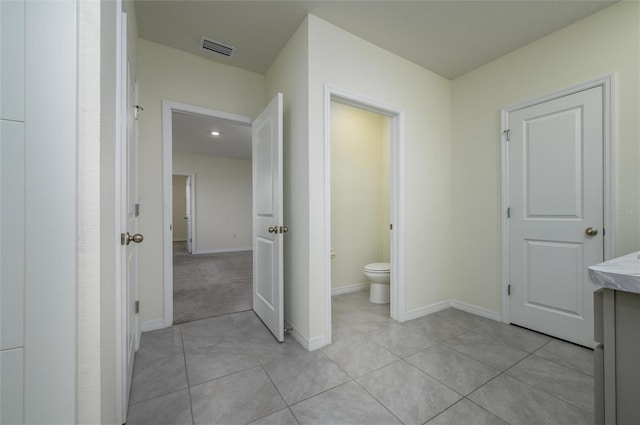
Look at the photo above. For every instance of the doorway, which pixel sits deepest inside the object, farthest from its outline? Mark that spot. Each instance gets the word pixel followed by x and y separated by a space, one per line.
pixel 386 227
pixel 556 164
pixel 208 255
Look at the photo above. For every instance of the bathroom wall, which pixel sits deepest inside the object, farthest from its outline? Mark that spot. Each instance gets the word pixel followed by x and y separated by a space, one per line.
pixel 607 42
pixel 359 192
pixel 179 208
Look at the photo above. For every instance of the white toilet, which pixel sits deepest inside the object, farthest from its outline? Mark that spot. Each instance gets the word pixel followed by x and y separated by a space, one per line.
pixel 379 274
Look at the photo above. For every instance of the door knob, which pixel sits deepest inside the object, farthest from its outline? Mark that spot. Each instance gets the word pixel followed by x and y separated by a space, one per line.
pixel 273 230
pixel 591 231
pixel 128 238
pixel 284 229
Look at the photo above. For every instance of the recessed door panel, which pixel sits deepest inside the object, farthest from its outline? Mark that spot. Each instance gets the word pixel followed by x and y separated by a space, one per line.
pixel 12 265
pixel 554 276
pixel 264 272
pixel 553 162
pixel 264 171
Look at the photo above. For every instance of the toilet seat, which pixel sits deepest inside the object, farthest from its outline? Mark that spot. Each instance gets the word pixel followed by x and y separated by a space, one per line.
pixel 378 268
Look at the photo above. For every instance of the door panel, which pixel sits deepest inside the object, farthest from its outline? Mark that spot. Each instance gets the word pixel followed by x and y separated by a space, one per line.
pixel 555 193
pixel 554 182
pixel 12 271
pixel 267 218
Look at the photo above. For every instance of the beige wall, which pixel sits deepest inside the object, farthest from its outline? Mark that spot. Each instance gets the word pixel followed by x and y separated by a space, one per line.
pixel 369 71
pixel 169 74
pixel 179 200
pixel 605 43
pixel 289 75
pixel 359 192
pixel 222 201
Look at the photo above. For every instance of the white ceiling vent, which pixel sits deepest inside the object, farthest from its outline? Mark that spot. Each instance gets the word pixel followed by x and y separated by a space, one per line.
pixel 216 47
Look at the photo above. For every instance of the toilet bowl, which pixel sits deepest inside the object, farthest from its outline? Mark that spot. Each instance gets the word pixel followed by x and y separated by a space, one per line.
pixel 379 274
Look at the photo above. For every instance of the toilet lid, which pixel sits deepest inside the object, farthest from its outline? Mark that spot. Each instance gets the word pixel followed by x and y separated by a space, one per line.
pixel 378 267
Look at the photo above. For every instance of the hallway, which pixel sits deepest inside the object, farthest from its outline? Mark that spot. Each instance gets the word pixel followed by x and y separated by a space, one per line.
pixel 450 367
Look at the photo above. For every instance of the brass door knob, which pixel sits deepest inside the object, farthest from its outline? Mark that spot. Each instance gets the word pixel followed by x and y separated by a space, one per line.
pixel 591 231
pixel 284 229
pixel 273 230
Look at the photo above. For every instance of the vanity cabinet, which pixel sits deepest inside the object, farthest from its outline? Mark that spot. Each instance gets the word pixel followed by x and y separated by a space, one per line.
pixel 617 355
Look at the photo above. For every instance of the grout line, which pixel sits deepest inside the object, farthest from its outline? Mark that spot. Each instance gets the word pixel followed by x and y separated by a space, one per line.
pixel 379 402
pixel 186 371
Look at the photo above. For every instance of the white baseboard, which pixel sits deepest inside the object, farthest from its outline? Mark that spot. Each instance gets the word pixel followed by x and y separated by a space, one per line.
pixel 350 288
pixel 219 251
pixel 152 325
pixel 478 311
pixel 308 344
pixel 460 305
pixel 424 311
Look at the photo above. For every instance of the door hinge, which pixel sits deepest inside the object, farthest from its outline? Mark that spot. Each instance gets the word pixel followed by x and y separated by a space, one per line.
pixel 136 111
pixel 137 305
pixel 509 212
pixel 604 231
pixel 123 238
pixel 507 134
pixel 391 227
pixel 509 289
pixel 137 210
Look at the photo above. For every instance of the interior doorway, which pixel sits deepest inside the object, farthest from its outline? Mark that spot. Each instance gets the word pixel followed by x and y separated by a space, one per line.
pixel 207 245
pixel 375 177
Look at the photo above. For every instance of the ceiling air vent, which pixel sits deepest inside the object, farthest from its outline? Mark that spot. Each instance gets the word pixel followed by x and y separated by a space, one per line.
pixel 216 47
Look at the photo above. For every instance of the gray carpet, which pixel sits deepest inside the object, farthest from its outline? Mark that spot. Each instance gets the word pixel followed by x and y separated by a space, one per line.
pixel 208 285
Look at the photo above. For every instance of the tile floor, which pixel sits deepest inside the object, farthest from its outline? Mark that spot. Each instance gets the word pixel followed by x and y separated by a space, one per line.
pixel 450 367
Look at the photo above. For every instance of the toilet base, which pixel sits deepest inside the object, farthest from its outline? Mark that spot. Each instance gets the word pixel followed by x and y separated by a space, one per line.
pixel 379 293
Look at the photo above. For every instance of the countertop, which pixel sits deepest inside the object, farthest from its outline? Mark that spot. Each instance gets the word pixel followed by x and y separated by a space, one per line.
pixel 621 274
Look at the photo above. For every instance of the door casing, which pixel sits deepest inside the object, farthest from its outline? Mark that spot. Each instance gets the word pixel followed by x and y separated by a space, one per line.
pixel 168 108
pixel 192 206
pixel 607 84
pixel 397 167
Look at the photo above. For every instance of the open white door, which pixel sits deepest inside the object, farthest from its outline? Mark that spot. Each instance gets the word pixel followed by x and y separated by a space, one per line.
pixel 187 216
pixel 129 219
pixel 268 228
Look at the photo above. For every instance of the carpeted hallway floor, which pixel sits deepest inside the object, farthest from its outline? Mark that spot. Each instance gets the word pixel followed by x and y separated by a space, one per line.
pixel 208 285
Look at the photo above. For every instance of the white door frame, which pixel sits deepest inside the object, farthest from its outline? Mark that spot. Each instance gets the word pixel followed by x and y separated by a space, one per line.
pixel 192 197
pixel 607 84
pixel 168 108
pixel 396 116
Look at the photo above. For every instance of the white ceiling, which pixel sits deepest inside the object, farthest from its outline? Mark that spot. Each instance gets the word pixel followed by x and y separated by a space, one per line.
pixel 192 134
pixel 449 37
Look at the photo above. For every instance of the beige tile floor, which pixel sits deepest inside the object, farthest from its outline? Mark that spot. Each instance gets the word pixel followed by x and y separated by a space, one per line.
pixel 450 367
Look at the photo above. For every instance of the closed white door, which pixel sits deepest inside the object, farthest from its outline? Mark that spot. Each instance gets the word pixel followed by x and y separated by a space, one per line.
pixel 268 228
pixel 129 219
pixel 187 215
pixel 556 213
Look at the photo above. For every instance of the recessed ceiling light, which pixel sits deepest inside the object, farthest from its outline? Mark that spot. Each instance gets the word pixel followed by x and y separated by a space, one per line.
pixel 215 133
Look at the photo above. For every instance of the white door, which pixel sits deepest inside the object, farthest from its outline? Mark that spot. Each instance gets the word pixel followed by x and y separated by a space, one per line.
pixel 187 215
pixel 129 212
pixel 268 228
pixel 556 213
